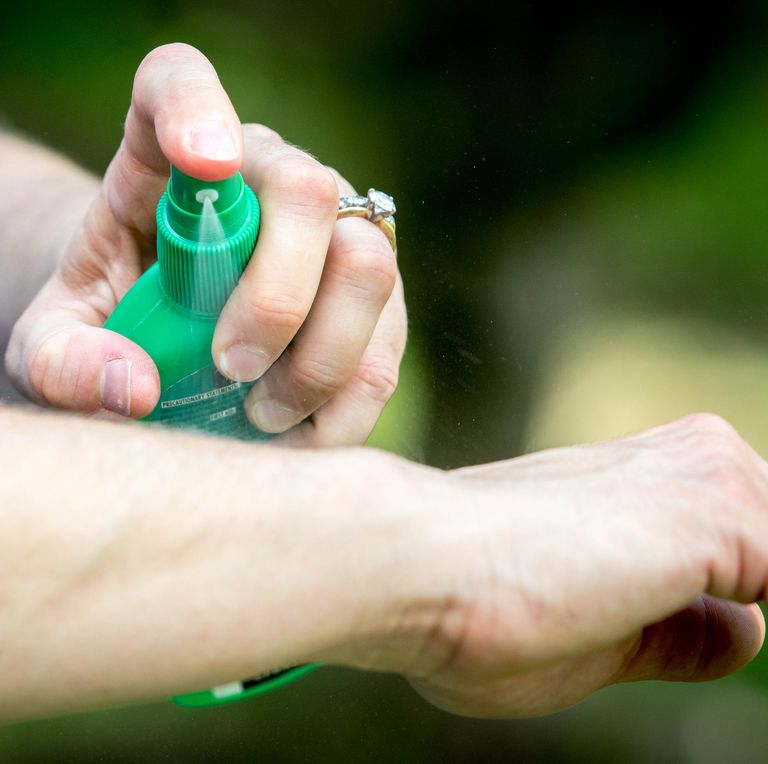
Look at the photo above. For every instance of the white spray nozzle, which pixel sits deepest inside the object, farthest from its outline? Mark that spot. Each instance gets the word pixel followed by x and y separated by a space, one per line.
pixel 207 194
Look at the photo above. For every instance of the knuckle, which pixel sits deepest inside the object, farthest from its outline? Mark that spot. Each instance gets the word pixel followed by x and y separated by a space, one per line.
pixel 34 366
pixel 378 377
pixel 341 181
pixel 708 422
pixel 45 370
pixel 305 182
pixel 723 476
pixel 724 460
pixel 316 377
pixel 275 310
pixel 367 262
pixel 714 438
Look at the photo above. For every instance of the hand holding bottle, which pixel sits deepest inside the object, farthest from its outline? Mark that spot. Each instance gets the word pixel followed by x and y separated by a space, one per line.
pixel 328 288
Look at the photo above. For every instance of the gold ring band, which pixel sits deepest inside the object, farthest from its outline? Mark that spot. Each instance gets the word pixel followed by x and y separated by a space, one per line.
pixel 377 207
pixel 385 224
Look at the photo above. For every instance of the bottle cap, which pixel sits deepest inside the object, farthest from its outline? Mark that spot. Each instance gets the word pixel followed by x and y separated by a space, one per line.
pixel 189 194
pixel 206 232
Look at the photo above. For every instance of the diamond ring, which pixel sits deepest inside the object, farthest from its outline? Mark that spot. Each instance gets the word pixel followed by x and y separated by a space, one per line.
pixel 377 207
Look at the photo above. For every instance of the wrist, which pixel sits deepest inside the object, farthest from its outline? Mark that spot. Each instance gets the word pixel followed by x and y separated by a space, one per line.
pixel 394 574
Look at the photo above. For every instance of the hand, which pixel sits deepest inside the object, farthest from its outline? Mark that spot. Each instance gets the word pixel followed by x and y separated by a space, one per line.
pixel 558 573
pixel 318 316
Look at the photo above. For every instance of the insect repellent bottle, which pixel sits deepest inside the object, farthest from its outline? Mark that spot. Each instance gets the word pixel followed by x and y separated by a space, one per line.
pixel 206 232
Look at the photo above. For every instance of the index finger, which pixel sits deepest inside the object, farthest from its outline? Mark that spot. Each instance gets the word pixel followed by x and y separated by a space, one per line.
pixel 179 114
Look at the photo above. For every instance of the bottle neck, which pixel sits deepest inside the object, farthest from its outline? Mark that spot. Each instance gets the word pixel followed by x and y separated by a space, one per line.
pixel 202 256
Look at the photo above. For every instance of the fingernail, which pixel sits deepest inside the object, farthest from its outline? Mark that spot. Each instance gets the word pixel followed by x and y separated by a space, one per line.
pixel 271 416
pixel 213 141
pixel 243 363
pixel 115 386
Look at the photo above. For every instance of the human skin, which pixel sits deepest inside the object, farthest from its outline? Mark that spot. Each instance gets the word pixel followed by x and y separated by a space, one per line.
pixel 510 589
pixel 330 289
pixel 30 249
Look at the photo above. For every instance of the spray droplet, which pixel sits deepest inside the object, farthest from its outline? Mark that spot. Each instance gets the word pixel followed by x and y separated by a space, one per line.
pixel 210 229
pixel 207 194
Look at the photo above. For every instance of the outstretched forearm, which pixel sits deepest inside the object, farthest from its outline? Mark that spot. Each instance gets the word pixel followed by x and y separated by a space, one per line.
pixel 136 564
pixel 47 201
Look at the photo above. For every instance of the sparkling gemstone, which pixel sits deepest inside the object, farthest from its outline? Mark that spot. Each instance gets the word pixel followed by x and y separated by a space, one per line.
pixel 381 205
pixel 345 202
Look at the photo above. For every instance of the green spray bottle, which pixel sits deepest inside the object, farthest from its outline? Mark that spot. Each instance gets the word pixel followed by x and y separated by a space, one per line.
pixel 206 232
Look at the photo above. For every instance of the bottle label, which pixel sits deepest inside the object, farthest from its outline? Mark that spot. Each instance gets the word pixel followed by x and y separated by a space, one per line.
pixel 206 400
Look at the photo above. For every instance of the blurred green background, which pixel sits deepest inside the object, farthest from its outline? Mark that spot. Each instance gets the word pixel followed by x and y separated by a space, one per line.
pixel 581 213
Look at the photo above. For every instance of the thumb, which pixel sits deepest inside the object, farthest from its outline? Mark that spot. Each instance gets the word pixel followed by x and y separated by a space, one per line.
pixel 57 358
pixel 708 639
